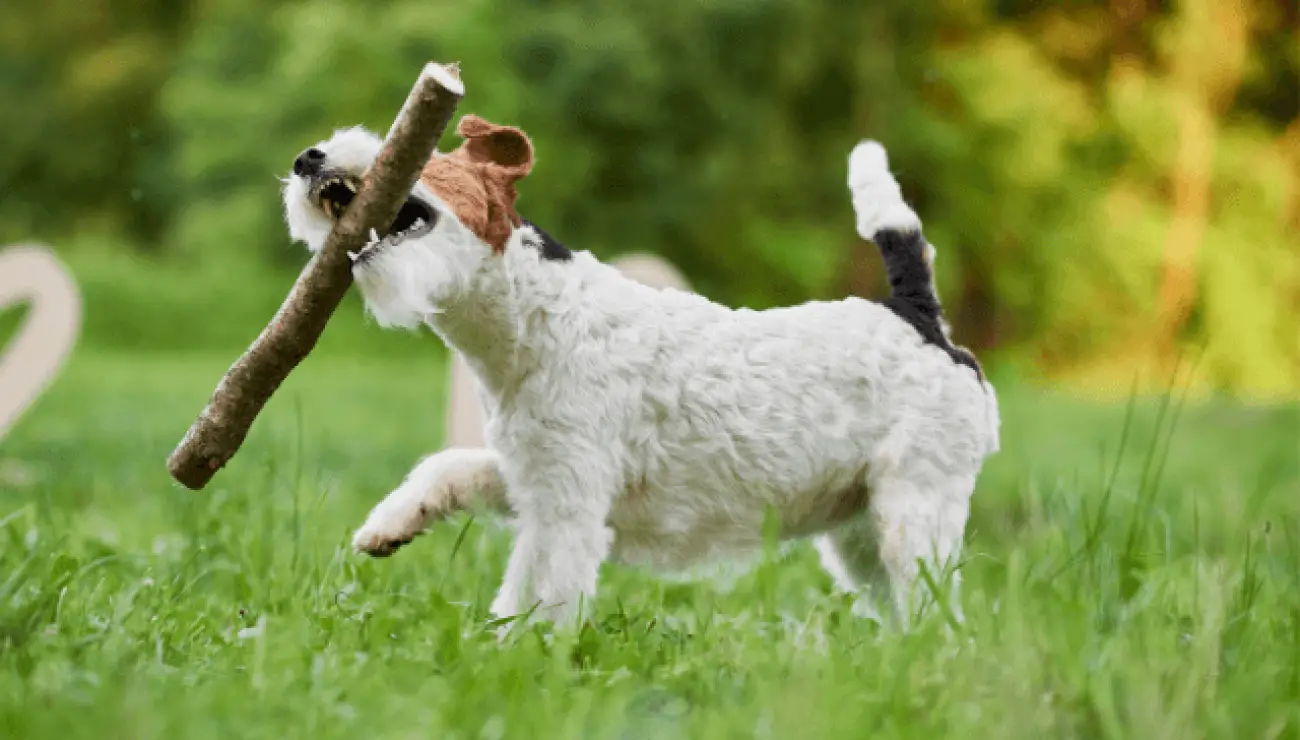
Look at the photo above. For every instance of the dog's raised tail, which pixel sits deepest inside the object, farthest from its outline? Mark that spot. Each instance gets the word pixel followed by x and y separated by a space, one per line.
pixel 885 218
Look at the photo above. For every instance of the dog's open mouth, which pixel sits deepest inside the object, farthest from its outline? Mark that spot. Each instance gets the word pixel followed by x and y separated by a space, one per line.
pixel 335 193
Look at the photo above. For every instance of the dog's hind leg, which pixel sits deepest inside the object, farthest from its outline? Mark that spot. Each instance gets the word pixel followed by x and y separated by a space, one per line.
pixel 851 555
pixel 918 517
pixel 440 485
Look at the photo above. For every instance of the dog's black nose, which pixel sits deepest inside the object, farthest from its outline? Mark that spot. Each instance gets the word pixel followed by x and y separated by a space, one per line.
pixel 309 162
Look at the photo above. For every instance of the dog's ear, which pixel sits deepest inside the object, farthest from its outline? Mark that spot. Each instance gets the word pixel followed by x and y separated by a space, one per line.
pixel 500 156
pixel 504 149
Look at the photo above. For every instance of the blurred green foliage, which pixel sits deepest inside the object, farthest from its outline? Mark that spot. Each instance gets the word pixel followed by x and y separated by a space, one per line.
pixel 1108 184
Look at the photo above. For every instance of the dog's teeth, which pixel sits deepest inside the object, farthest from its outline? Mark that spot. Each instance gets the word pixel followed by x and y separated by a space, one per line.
pixel 353 256
pixel 351 188
pixel 374 235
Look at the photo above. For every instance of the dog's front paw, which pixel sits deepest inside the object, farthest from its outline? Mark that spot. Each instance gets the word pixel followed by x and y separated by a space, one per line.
pixel 394 522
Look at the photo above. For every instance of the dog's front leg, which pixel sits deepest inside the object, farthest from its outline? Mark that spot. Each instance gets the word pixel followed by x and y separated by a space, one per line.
pixel 561 540
pixel 441 485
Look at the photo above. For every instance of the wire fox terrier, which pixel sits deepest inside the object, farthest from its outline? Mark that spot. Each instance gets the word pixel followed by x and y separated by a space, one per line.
pixel 653 426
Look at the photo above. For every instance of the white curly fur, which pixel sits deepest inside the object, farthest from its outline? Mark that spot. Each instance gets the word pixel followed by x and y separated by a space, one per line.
pixel 656 427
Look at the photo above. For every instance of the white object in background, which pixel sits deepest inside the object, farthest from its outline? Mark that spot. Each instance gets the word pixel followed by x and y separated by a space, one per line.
pixel 464 425
pixel 45 338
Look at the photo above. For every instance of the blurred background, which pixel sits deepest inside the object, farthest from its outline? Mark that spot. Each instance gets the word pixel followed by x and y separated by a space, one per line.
pixel 1111 186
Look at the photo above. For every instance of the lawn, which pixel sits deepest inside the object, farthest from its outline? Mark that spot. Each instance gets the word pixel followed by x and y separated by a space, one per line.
pixel 1127 575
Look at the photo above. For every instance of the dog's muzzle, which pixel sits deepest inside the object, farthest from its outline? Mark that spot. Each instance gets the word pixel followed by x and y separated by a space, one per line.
pixel 333 190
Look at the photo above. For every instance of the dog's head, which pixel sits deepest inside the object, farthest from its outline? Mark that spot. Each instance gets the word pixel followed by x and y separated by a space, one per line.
pixel 460 213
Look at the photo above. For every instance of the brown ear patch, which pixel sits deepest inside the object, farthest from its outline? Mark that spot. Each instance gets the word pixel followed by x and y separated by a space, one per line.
pixel 491 144
pixel 477 179
pixel 459 185
pixel 503 148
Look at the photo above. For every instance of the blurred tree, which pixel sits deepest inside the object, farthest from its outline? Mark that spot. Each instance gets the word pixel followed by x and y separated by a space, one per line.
pixel 1107 183
pixel 83 147
pixel 1206 60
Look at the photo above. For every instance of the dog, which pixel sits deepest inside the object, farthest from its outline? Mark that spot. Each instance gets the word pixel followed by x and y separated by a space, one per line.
pixel 655 427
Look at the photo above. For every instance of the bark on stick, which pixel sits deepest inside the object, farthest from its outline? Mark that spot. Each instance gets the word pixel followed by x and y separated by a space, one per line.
pixel 292 333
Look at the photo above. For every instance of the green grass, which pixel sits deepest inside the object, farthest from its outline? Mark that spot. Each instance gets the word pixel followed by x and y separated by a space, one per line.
pixel 1109 593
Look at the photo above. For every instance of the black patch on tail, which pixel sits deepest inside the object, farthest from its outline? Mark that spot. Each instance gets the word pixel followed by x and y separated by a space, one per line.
pixel 911 290
pixel 551 249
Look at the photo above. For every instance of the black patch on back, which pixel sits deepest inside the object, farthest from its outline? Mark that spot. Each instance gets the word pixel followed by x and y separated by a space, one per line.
pixel 911 290
pixel 551 249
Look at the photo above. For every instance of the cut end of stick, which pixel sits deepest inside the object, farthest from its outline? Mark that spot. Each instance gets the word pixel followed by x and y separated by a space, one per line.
pixel 446 75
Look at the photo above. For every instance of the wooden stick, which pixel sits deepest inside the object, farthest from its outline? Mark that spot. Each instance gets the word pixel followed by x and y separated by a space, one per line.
pixel 292 333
